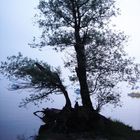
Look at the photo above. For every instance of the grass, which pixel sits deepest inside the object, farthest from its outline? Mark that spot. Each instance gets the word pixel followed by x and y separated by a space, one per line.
pixel 113 130
pixel 82 125
pixel 117 130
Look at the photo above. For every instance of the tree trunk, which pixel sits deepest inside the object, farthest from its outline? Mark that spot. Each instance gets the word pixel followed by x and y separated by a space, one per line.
pixel 68 102
pixel 81 73
pixel 81 58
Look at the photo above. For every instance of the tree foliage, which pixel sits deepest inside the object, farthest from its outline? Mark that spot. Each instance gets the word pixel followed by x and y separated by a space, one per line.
pixel 99 53
pixel 34 74
pixel 107 66
pixel 62 20
pixel 98 60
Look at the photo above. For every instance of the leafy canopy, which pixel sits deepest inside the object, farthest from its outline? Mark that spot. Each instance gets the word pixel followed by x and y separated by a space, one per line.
pixel 98 60
pixel 32 74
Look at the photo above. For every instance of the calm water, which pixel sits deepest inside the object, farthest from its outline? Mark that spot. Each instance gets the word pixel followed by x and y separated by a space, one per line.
pixel 129 113
pixel 15 121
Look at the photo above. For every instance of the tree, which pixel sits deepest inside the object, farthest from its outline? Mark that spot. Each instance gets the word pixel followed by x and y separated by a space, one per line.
pixel 98 61
pixel 34 74
pixel 83 25
pixel 107 65
pixel 72 23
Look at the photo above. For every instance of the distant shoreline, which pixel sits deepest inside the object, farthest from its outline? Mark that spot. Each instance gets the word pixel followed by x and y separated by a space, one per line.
pixel 134 94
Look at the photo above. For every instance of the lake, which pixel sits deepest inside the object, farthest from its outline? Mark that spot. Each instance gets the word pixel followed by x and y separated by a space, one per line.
pixel 16 122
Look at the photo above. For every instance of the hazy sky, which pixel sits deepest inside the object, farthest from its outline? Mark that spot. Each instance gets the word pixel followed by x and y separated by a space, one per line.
pixel 16 26
pixel 129 22
pixel 17 30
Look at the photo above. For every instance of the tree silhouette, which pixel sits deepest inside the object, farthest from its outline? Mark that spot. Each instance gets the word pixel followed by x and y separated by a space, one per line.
pixel 98 60
pixel 34 74
pixel 73 23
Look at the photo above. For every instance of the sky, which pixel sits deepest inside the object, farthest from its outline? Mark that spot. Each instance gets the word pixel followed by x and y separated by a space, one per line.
pixel 17 28
pixel 129 22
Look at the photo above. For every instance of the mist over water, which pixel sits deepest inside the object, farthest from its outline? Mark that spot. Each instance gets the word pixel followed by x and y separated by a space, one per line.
pixel 129 113
pixel 15 121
